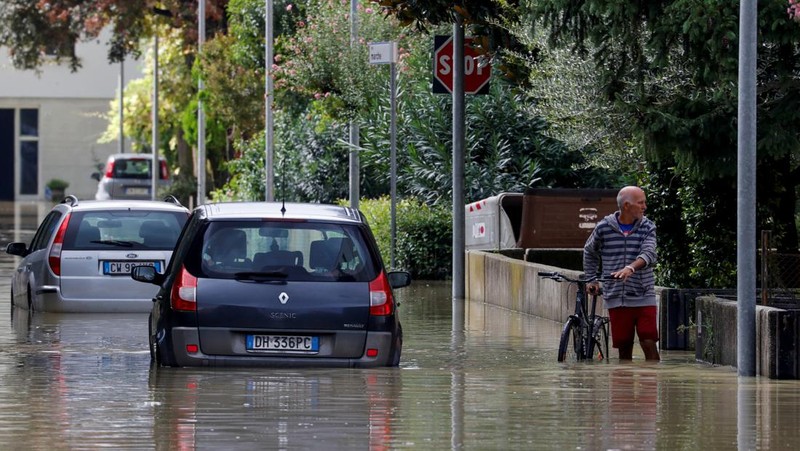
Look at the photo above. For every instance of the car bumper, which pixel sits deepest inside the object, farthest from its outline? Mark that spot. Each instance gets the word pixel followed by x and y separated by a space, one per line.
pixel 48 299
pixel 183 336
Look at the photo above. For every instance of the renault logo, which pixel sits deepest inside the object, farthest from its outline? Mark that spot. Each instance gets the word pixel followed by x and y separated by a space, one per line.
pixel 283 297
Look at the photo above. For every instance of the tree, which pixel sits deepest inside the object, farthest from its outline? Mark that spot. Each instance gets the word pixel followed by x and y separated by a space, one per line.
pixel 674 65
pixel 28 27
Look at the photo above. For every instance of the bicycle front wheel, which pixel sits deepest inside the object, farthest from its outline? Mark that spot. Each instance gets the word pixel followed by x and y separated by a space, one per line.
pixel 570 347
pixel 598 348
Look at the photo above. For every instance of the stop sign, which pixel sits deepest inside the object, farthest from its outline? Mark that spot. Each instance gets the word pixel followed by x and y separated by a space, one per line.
pixel 476 76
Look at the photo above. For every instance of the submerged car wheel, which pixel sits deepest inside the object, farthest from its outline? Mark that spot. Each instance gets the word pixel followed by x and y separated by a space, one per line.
pixel 398 348
pixel 151 342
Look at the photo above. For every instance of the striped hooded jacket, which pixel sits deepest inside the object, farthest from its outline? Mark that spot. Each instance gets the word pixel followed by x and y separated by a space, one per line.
pixel 608 250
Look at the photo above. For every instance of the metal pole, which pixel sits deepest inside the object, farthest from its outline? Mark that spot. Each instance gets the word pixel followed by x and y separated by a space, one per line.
pixel 393 155
pixel 458 159
pixel 355 180
pixel 155 170
pixel 269 138
pixel 201 114
pixel 746 199
pixel 121 105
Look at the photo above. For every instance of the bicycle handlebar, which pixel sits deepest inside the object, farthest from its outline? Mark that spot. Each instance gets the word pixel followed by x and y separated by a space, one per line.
pixel 558 277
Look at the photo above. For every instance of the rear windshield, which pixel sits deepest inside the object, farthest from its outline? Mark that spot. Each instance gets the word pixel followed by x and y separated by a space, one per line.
pixel 282 250
pixel 134 168
pixel 124 230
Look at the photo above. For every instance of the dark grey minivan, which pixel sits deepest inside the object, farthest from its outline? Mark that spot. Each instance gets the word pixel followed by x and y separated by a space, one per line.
pixel 272 284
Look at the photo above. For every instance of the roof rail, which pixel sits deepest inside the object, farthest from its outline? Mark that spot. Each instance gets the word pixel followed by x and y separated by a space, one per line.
pixel 172 199
pixel 71 200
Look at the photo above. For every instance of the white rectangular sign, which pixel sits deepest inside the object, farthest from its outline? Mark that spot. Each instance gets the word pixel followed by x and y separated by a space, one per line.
pixel 382 52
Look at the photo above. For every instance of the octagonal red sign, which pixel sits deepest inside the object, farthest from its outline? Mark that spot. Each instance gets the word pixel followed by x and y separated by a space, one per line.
pixel 476 76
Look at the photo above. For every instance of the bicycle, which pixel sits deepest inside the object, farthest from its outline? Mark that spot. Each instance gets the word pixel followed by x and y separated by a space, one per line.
pixel 584 331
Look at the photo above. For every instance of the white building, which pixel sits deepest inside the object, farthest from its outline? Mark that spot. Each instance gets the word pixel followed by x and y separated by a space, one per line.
pixel 50 122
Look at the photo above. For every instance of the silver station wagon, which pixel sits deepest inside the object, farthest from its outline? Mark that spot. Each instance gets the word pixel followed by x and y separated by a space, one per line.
pixel 82 254
pixel 271 284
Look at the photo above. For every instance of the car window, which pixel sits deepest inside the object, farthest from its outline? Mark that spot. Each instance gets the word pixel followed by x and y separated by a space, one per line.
pixel 134 168
pixel 310 251
pixel 124 230
pixel 45 231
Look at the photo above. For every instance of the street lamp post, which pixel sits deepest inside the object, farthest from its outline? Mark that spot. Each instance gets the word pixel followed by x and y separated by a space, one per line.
pixel 155 169
pixel 201 114
pixel 269 138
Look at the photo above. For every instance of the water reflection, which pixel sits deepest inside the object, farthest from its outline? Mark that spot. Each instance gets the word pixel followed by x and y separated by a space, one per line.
pixel 482 379
pixel 278 409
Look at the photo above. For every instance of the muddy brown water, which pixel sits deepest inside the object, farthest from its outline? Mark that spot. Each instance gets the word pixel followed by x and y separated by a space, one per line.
pixel 471 377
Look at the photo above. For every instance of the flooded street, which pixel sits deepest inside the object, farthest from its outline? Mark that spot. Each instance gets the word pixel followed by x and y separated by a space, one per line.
pixel 482 378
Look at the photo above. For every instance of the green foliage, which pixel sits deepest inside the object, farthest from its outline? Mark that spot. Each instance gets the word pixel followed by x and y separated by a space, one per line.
pixel 424 240
pixel 670 69
pixel 423 237
pixel 319 62
pixel 57 184
pixel 311 163
pixel 507 148
pixel 235 94
pixel 184 188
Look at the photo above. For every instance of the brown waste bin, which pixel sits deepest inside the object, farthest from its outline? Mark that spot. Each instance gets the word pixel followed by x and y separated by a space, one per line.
pixel 562 218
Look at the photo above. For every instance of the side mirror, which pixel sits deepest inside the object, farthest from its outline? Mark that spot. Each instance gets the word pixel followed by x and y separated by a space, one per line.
pixel 20 249
pixel 96 176
pixel 399 279
pixel 146 274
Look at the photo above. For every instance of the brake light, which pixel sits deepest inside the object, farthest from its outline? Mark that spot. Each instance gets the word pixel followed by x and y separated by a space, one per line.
pixel 164 171
pixel 110 169
pixel 381 302
pixel 184 292
pixel 54 258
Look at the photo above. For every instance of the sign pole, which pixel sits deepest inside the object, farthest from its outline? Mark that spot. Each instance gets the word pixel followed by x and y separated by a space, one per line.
pixel 458 160
pixel 746 198
pixel 393 138
pixel 355 175
pixel 386 53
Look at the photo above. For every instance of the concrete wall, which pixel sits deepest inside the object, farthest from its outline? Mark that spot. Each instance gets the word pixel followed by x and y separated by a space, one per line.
pixel 514 284
pixel 777 337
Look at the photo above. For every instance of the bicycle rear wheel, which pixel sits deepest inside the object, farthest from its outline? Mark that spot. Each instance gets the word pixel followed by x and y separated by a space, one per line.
pixel 598 348
pixel 570 347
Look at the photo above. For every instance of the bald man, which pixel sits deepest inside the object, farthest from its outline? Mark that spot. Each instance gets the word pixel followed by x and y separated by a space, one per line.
pixel 623 246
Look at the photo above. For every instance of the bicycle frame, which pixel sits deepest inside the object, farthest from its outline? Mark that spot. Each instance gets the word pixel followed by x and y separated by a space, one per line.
pixel 584 326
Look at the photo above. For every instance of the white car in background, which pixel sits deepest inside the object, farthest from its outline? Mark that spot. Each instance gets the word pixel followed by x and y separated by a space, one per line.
pixel 128 176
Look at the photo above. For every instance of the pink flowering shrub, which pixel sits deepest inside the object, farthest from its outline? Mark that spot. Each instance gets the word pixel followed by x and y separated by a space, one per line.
pixel 794 10
pixel 320 62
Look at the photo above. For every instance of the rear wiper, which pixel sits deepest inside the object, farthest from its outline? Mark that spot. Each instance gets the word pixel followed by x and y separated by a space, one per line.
pixel 114 242
pixel 256 275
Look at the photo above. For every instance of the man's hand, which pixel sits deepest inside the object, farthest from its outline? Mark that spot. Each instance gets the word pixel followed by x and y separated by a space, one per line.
pixel 623 273
pixel 593 288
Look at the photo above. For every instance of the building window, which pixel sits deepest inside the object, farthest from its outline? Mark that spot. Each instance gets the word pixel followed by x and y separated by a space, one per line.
pixel 29 122
pixel 29 151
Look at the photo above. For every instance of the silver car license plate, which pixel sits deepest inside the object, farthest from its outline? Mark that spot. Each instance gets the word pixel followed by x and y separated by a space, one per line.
pixel 112 267
pixel 282 343
pixel 137 191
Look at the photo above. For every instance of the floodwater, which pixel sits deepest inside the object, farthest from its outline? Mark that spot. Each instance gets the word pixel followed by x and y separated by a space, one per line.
pixel 479 378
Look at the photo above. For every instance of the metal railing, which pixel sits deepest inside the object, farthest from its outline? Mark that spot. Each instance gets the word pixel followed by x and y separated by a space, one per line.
pixel 780 276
